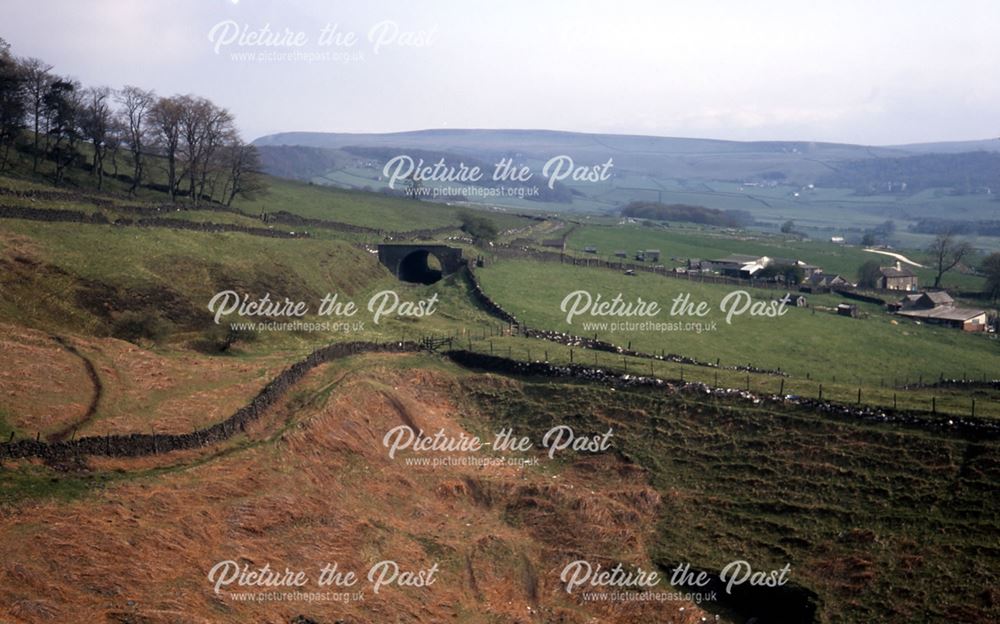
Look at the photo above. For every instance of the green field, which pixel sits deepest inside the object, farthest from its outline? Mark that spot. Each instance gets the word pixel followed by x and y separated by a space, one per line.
pixel 681 242
pixel 822 345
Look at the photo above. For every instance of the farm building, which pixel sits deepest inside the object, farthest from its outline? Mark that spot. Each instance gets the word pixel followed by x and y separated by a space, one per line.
pixel 808 270
pixel 827 280
pixel 897 278
pixel 824 282
pixel 745 266
pixel 740 265
pixel 557 243
pixel 795 300
pixel 652 255
pixel 939 308
pixel 621 253
pixel 847 309
pixel 590 250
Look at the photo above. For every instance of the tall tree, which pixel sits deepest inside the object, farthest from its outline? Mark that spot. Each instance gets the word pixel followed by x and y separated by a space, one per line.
pixel 95 123
pixel 165 116
pixel 38 79
pixel 12 101
pixel 195 115
pixel 243 165
pixel 947 252
pixel 991 267
pixel 61 106
pixel 116 137
pixel 217 131
pixel 869 274
pixel 136 105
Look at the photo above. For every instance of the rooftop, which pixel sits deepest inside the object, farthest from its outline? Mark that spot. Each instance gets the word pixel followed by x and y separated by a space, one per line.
pixel 944 313
pixel 896 272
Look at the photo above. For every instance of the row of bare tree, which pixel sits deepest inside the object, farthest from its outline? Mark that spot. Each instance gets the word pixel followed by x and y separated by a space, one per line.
pixel 194 141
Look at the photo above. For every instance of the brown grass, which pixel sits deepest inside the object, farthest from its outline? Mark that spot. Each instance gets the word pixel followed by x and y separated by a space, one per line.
pixel 326 491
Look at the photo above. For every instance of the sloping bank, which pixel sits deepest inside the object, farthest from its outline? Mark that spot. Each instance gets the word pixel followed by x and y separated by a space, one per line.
pixel 139 444
pixel 972 428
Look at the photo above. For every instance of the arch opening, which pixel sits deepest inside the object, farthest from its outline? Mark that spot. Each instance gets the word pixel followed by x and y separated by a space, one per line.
pixel 420 267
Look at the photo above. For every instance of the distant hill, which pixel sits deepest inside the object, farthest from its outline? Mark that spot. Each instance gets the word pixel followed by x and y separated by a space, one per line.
pixel 661 156
pixel 823 186
pixel 670 157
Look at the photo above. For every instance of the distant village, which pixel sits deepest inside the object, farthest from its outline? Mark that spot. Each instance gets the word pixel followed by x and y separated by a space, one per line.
pixel 935 307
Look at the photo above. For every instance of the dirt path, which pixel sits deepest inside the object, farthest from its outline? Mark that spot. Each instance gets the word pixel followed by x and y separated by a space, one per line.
pixel 897 256
pixel 62 434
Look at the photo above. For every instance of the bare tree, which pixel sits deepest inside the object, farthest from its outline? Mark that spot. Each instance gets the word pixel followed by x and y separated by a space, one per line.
pixel 165 116
pixel 136 105
pixel 116 137
pixel 196 112
pixel 95 123
pixel 61 106
pixel 243 165
pixel 947 252
pixel 38 79
pixel 217 131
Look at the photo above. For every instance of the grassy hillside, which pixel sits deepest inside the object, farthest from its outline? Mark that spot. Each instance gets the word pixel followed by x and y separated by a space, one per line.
pixel 858 510
pixel 816 184
pixel 884 525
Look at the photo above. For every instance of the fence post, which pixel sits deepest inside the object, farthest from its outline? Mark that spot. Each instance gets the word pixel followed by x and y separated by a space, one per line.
pixel 821 392
pixel 893 400
pixel 933 405
pixel 859 396
pixel 781 390
pixel 973 408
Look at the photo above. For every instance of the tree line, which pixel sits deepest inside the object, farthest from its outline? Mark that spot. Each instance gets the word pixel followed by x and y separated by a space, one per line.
pixel 686 213
pixel 194 141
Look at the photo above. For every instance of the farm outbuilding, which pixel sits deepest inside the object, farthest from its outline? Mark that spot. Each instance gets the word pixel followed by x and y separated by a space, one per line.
pixel 939 308
pixel 795 300
pixel 847 309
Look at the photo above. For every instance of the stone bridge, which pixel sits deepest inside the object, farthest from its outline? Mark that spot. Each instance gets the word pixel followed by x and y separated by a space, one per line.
pixel 410 262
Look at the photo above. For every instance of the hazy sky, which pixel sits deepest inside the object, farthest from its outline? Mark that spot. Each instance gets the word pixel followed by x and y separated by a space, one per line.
pixel 875 71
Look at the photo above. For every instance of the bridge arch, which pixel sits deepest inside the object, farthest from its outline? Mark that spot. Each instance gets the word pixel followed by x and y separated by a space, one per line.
pixel 420 264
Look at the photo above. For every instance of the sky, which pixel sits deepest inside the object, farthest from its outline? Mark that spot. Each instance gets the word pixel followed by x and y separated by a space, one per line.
pixel 877 72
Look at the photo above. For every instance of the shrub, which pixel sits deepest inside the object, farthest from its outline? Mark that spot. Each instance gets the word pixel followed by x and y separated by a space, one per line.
pixel 138 325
